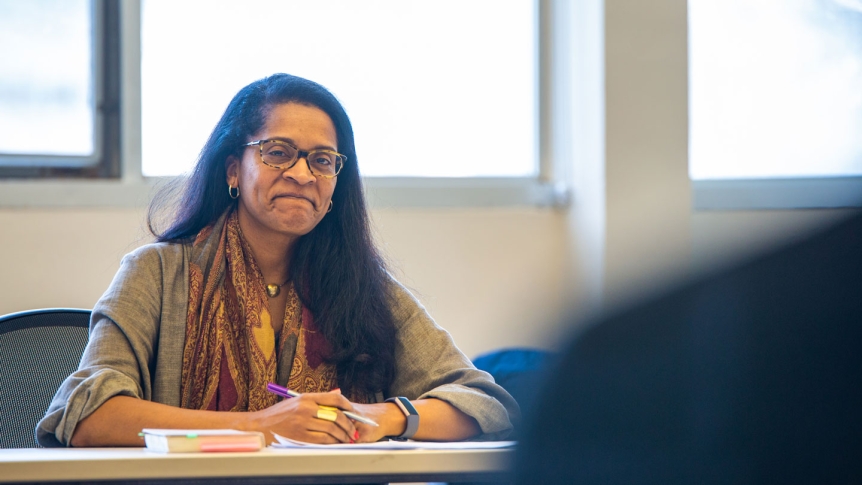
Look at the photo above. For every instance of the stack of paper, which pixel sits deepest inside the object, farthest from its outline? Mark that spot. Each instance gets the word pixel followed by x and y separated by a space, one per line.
pixel 396 445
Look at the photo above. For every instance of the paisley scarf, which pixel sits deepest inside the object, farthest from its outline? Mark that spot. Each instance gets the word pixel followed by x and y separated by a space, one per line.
pixel 231 350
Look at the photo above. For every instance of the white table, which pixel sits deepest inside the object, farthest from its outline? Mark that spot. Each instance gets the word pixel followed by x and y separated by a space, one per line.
pixel 264 467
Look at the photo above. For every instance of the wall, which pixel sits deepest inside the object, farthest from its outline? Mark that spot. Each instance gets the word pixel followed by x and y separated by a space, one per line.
pixel 492 277
pixel 726 237
pixel 62 257
pixel 648 195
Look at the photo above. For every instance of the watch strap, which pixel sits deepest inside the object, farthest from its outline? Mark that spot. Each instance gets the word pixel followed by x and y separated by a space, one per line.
pixel 410 413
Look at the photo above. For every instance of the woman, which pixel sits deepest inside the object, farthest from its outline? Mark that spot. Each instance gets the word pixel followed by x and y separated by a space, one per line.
pixel 268 274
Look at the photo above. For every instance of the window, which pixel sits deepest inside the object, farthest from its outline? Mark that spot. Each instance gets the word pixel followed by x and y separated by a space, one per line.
pixel 443 95
pixel 439 88
pixel 56 105
pixel 775 102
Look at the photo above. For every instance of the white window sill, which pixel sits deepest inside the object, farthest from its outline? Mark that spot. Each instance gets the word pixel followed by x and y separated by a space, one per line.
pixel 381 193
pixel 797 193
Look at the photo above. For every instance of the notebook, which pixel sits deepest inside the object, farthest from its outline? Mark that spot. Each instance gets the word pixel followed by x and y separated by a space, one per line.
pixel 202 440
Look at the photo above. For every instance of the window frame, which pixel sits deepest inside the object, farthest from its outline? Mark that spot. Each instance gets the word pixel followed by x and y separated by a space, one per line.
pixel 132 190
pixel 105 160
pixel 777 193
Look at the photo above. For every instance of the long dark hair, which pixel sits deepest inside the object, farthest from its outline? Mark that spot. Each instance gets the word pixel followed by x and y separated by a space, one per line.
pixel 336 269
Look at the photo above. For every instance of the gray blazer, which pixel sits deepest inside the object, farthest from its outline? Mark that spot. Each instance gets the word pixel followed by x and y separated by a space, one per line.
pixel 137 336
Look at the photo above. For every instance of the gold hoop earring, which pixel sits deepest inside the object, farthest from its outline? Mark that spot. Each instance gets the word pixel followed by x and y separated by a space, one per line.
pixel 232 191
pixel 330 206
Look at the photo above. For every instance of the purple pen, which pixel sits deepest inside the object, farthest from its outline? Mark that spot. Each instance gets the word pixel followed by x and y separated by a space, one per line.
pixel 287 393
pixel 281 391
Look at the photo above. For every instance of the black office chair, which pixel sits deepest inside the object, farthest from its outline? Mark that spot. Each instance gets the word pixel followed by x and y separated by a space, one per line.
pixel 38 350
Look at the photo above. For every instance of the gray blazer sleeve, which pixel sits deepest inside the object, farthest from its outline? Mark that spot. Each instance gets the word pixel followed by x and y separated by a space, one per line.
pixel 429 365
pixel 119 357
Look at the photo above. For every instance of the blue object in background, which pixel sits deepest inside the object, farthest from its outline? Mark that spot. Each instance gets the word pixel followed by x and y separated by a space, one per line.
pixel 520 371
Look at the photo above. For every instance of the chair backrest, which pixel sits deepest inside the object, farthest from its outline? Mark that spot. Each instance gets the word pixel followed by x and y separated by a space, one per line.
pixel 520 371
pixel 38 350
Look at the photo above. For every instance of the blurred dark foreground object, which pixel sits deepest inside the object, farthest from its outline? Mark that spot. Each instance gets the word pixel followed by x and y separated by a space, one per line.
pixel 752 375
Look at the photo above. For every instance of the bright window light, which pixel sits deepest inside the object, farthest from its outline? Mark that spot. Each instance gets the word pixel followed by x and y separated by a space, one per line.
pixel 775 88
pixel 46 78
pixel 434 88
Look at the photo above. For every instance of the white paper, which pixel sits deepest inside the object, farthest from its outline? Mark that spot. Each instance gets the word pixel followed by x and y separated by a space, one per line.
pixel 195 432
pixel 395 445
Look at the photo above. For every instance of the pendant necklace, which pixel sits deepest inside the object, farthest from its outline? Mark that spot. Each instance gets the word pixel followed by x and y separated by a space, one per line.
pixel 273 290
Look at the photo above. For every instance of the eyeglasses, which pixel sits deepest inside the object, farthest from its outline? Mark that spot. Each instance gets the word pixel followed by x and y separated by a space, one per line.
pixel 283 155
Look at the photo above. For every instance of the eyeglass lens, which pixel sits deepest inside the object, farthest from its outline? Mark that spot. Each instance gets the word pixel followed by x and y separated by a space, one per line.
pixel 281 154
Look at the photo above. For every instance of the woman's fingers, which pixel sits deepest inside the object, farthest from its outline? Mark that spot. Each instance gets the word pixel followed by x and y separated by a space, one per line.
pixel 335 416
pixel 330 406
pixel 336 430
pixel 376 412
pixel 327 413
pixel 320 438
pixel 317 416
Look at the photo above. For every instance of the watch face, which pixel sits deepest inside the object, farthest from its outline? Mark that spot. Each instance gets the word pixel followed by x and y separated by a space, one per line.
pixel 400 405
pixel 408 406
pixel 409 411
pixel 404 405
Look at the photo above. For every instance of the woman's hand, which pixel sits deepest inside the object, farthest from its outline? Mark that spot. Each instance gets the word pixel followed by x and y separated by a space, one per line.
pixel 391 420
pixel 296 418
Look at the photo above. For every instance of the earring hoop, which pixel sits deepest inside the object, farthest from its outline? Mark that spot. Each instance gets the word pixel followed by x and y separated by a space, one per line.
pixel 232 191
pixel 330 206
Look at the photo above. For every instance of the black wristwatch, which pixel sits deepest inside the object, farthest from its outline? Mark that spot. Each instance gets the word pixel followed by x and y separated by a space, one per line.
pixel 412 416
